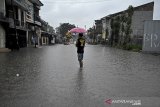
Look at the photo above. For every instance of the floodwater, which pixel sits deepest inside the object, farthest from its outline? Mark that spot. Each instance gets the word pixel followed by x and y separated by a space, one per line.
pixel 50 77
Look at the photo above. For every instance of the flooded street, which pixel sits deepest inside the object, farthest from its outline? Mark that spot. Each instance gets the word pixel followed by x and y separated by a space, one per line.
pixel 50 77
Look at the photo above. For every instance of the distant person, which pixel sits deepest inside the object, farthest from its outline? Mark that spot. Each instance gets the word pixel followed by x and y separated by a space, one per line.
pixel 80 43
pixel 35 39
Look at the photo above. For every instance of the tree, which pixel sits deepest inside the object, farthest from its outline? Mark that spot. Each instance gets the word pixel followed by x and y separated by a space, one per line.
pixel 128 29
pixel 91 34
pixel 64 28
pixel 112 34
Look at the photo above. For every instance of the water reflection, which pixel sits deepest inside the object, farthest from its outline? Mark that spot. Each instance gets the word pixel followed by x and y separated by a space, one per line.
pixel 79 89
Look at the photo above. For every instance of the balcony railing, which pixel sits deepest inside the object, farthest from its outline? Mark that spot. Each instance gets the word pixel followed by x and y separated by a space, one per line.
pixel 19 23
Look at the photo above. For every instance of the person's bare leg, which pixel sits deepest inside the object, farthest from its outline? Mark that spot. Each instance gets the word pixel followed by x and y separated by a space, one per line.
pixel 81 64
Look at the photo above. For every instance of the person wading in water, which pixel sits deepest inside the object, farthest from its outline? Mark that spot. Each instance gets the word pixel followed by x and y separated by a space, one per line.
pixel 80 44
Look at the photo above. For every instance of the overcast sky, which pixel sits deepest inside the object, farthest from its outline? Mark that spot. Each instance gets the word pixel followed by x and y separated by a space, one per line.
pixel 84 12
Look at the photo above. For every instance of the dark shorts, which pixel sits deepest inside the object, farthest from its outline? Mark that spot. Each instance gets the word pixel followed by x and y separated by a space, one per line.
pixel 80 56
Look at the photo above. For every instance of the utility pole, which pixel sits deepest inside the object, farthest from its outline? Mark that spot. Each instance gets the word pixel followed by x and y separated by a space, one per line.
pixel 85 27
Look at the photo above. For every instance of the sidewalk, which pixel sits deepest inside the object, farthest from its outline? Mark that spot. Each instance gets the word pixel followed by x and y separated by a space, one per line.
pixel 2 50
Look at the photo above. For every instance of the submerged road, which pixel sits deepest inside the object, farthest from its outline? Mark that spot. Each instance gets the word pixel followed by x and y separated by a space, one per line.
pixel 50 77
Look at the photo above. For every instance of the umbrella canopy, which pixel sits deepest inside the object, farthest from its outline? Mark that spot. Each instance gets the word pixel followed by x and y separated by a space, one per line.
pixel 78 30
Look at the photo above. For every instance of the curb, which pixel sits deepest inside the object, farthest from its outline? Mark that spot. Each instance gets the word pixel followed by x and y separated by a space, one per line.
pixel 4 50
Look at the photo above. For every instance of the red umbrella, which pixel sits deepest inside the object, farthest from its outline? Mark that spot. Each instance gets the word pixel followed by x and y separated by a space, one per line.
pixel 78 30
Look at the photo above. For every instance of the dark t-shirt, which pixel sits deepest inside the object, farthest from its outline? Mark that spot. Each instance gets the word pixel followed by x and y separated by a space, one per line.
pixel 80 45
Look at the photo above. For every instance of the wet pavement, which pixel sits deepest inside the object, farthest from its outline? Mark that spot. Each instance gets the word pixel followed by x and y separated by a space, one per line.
pixel 50 77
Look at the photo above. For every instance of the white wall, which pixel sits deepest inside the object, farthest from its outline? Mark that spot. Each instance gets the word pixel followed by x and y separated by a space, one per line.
pixel 151 40
pixel 2 37
pixel 138 19
pixel 103 28
pixel 109 28
pixel 19 14
pixel 2 7
pixel 156 10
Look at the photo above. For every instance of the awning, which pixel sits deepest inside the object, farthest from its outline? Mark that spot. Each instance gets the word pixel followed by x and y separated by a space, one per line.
pixel 46 34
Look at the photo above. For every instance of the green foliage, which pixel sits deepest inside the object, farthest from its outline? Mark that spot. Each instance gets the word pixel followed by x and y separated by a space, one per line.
pixel 129 20
pixel 107 32
pixel 130 10
pixel 115 25
pixel 122 23
pixel 122 18
pixel 91 33
pixel 132 47
pixel 122 27
pixel 112 23
pixel 64 28
pixel 117 18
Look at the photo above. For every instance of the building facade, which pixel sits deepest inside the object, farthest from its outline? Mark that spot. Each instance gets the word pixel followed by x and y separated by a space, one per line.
pixel 33 22
pixel 106 28
pixel 151 39
pixel 20 22
pixel 126 26
pixel 140 15
pixel 16 32
pixel 48 34
pixel 98 31
pixel 3 24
